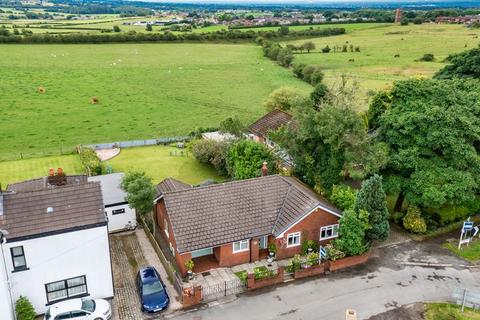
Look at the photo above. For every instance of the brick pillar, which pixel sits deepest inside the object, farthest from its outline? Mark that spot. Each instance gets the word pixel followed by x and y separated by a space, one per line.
pixel 250 280
pixel 254 250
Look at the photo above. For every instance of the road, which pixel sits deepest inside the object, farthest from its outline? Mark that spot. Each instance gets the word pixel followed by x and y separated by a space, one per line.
pixel 384 283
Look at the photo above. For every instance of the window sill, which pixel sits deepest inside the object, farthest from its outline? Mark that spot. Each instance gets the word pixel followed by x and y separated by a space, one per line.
pixel 328 238
pixel 293 245
pixel 240 251
pixel 20 270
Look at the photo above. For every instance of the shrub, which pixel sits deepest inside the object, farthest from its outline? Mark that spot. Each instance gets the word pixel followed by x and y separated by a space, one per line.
pixel 212 152
pixel 294 264
pixel 272 247
pixel 397 216
pixel 427 57
pixel 262 273
pixel 316 77
pixel 189 264
pixel 313 259
pixel 24 309
pixel 326 49
pixel 312 74
pixel 90 161
pixel 352 232
pixel 333 253
pixel 449 214
pixel 298 70
pixel 343 197
pixel 319 93
pixel 413 220
pixel 309 244
pixel 283 98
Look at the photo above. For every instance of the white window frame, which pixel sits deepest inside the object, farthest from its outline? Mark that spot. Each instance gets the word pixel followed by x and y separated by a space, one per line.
pixel 266 242
pixel 240 246
pixel 333 227
pixel 165 225
pixel 293 236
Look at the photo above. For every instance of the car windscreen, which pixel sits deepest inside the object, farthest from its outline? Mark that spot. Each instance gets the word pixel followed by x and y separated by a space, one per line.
pixel 152 288
pixel 88 305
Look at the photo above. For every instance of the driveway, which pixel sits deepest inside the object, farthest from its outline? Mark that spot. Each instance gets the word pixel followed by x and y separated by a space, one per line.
pixel 395 276
pixel 130 252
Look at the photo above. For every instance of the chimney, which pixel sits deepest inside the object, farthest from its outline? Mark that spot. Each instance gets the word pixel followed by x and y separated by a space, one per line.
pixel 264 169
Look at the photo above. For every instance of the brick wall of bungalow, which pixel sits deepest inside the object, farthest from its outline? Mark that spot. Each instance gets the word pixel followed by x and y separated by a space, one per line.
pixel 309 228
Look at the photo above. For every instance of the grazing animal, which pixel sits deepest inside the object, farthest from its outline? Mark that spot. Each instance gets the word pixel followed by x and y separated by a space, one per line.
pixel 396 56
pixel 351 60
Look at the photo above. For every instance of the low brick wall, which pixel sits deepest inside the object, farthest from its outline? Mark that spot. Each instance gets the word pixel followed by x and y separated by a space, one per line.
pixel 348 262
pixel 191 296
pixel 253 284
pixel 311 271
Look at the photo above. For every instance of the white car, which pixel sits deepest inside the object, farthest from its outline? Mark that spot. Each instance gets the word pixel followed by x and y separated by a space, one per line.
pixel 80 309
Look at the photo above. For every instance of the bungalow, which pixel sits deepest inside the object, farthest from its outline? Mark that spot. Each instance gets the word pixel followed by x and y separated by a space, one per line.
pixel 226 224
pixel 55 243
pixel 272 121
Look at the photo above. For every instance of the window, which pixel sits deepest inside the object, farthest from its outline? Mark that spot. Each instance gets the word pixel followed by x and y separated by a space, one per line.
pixel 165 223
pixel 329 232
pixel 18 258
pixel 263 242
pixel 293 239
pixel 118 211
pixel 240 246
pixel 66 289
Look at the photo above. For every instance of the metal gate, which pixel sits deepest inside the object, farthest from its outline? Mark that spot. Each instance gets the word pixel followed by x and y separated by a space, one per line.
pixel 222 289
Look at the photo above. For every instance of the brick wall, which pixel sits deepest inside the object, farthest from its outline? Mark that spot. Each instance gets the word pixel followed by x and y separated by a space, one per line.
pixel 311 271
pixel 253 284
pixel 309 229
pixel 348 262
pixel 227 258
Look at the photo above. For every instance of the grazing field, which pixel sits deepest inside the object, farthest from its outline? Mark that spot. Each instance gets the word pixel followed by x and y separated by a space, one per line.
pixel 375 66
pixel 161 162
pixel 144 91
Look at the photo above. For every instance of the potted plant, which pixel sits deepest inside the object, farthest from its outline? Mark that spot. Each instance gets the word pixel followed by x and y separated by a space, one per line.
pixel 272 249
pixel 189 265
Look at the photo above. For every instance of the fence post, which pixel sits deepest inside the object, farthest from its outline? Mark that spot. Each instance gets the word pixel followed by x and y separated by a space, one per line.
pixel 464 299
pixel 225 288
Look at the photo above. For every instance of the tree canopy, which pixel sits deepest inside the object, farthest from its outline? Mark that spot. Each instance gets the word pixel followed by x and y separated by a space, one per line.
pixel 432 129
pixel 283 98
pixel 140 191
pixel 462 65
pixel 245 159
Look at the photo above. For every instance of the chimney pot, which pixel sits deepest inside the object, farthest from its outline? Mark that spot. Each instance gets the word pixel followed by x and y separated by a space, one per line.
pixel 264 169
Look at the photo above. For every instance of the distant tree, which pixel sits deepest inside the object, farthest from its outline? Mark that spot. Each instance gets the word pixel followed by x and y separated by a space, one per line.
pixel 283 98
pixel 284 30
pixel 309 46
pixel 116 29
pixel 250 17
pixel 245 159
pixel 140 191
pixel 427 57
pixel 24 309
pixel 312 74
pixel 417 20
pixel 298 69
pixel 372 199
pixel 404 22
pixel 149 27
pixel 462 65
pixel 232 125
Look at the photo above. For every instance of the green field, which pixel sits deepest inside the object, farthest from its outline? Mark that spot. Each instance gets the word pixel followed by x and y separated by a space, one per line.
pixel 163 162
pixel 445 311
pixel 158 162
pixel 144 90
pixel 375 66
pixel 470 252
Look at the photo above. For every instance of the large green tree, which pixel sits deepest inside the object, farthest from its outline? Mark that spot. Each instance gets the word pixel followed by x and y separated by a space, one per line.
pixel 140 191
pixel 462 65
pixel 353 226
pixel 432 128
pixel 372 199
pixel 245 159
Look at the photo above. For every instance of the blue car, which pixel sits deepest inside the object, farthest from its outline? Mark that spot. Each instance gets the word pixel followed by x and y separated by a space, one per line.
pixel 153 294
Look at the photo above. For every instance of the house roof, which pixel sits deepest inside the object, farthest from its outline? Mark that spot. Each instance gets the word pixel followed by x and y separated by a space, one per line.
pixel 74 206
pixel 170 184
pixel 112 192
pixel 42 183
pixel 270 122
pixel 213 215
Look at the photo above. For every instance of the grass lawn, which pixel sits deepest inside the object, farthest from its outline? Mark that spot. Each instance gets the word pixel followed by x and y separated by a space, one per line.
pixel 375 66
pixel 444 311
pixel 19 170
pixel 470 252
pixel 145 91
pixel 159 164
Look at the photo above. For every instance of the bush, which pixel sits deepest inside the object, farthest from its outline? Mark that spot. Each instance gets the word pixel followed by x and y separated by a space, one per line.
pixel 353 226
pixel 397 216
pixel 313 259
pixel 90 161
pixel 309 244
pixel 316 77
pixel 319 94
pixel 326 49
pixel 283 98
pixel 213 153
pixel 262 273
pixel 295 264
pixel 413 220
pixel 298 70
pixel 245 159
pixel 427 57
pixel 24 309
pixel 449 214
pixel 333 253
pixel 343 197
pixel 272 247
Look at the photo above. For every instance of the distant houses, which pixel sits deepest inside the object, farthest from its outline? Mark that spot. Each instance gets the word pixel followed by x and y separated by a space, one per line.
pixel 469 19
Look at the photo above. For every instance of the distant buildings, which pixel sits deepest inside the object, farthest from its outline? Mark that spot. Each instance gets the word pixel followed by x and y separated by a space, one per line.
pixel 470 19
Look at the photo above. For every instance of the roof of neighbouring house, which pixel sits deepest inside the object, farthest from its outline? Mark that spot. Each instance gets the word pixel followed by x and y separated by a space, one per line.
pixel 270 122
pixel 170 184
pixel 42 183
pixel 112 192
pixel 213 215
pixel 75 206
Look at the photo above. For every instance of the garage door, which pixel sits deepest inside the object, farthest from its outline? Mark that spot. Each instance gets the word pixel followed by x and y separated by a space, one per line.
pixel 202 252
